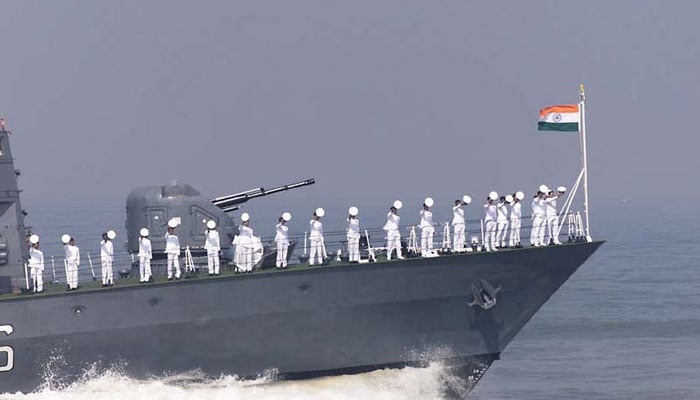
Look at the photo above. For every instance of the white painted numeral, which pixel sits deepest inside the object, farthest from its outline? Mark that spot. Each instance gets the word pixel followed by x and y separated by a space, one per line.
pixel 7 329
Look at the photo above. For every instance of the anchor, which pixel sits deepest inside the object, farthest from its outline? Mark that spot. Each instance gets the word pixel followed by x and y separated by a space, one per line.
pixel 485 295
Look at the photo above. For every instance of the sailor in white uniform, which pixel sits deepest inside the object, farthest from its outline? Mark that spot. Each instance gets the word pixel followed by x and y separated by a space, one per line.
pixel 552 215
pixel 172 249
pixel 145 256
pixel 459 224
pixel 393 236
pixel 212 245
pixel 72 257
pixel 501 222
pixel 427 230
pixel 317 247
pixel 538 217
pixel 282 239
pixel 36 265
pixel 107 257
pixel 244 247
pixel 515 218
pixel 490 218
pixel 353 235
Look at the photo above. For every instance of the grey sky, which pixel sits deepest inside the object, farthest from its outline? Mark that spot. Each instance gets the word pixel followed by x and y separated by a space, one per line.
pixel 375 99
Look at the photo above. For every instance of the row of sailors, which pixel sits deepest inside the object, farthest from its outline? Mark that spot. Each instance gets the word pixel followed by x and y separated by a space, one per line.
pixel 544 217
pixel 212 245
pixel 247 247
pixel 71 261
pixel 496 220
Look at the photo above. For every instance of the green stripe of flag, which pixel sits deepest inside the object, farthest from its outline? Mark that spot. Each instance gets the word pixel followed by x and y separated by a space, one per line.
pixel 562 127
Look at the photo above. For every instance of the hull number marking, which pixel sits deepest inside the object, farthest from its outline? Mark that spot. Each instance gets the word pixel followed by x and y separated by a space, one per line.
pixel 7 350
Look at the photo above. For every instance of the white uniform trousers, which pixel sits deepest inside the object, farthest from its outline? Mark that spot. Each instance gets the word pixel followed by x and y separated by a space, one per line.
pixel 213 262
pixel 315 251
pixel 537 236
pixel 72 275
pixel 353 247
pixel 459 237
pixel 282 250
pixel 107 272
pixel 490 239
pixel 393 243
pixel 173 261
pixel 145 268
pixel 37 277
pixel 244 258
pixel 501 232
pixel 514 232
pixel 553 229
pixel 426 240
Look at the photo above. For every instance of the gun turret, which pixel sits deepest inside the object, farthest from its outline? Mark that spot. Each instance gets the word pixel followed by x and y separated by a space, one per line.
pixel 231 202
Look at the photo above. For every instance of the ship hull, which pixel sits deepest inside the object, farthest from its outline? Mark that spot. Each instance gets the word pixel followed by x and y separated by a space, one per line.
pixel 300 323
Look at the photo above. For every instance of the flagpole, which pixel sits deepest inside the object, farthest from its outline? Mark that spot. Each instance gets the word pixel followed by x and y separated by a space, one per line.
pixel 582 107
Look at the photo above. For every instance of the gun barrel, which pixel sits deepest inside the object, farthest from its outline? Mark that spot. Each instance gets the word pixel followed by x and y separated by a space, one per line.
pixel 236 195
pixel 229 203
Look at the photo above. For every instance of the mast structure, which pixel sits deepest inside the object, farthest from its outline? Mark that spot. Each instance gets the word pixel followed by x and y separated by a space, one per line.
pixel 584 157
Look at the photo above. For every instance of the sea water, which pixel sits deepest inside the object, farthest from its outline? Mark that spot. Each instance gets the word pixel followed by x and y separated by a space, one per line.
pixel 625 326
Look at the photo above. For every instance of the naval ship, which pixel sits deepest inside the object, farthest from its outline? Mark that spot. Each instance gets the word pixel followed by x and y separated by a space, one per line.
pixel 460 308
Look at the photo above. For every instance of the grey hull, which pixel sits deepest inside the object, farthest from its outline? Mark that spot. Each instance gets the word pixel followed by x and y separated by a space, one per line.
pixel 296 323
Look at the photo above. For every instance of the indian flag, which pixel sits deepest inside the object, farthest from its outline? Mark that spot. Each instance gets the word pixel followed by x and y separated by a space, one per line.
pixel 563 117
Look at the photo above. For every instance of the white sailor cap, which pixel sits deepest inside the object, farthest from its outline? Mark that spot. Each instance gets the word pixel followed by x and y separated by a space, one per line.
pixel 398 204
pixel 429 201
pixel 561 189
pixel 519 195
pixel 144 232
pixel 211 224
pixel 245 217
pixel 466 199
pixel 509 198
pixel 353 211
pixel 493 196
pixel 172 223
pixel 320 212
pixel 111 234
pixel 286 216
pixel 65 238
pixel 544 189
pixel 34 239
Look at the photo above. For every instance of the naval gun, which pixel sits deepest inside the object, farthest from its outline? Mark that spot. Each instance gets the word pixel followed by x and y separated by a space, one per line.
pixel 152 207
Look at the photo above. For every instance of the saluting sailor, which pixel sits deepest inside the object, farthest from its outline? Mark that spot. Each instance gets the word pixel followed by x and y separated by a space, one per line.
pixel 393 236
pixel 515 218
pixel 282 239
pixel 427 230
pixel 490 218
pixel 107 257
pixel 353 235
pixel 36 265
pixel 501 222
pixel 172 249
pixel 213 245
pixel 316 252
pixel 145 256
pixel 72 256
pixel 538 217
pixel 459 224
pixel 244 249
pixel 552 215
